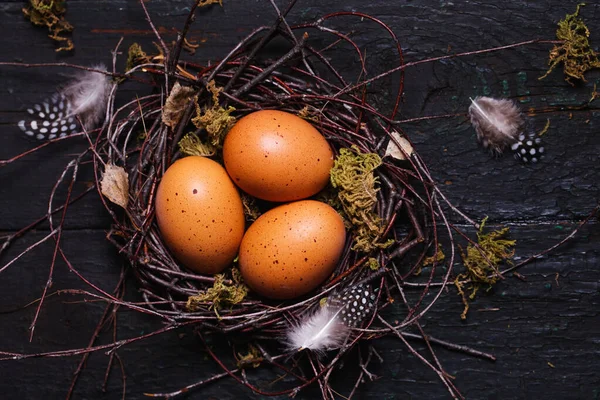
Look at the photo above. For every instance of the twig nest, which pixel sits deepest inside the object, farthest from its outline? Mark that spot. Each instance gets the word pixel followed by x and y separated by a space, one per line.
pixel 319 150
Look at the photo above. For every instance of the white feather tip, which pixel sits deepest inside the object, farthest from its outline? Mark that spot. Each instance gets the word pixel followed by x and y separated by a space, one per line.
pixel 329 326
pixel 88 95
pixel 498 122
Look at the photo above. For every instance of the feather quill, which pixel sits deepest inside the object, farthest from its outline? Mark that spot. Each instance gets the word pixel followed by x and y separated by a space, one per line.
pixel 498 122
pixel 85 97
pixel 328 327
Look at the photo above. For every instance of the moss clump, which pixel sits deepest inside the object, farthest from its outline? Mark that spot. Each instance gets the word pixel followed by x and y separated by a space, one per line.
pixel 435 258
pixel 135 56
pixel 481 264
pixel 307 114
pixel 51 14
pixel 221 294
pixel 191 145
pixel 251 359
pixel 575 52
pixel 372 263
pixel 354 178
pixel 216 120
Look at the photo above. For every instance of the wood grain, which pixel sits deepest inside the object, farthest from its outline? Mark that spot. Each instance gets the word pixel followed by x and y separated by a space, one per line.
pixel 545 330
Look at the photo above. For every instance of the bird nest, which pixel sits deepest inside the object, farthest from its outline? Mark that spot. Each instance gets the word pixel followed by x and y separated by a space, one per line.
pixel 386 198
pixel 370 191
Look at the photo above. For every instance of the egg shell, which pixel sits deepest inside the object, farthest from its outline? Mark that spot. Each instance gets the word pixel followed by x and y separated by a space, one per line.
pixel 292 249
pixel 277 156
pixel 200 214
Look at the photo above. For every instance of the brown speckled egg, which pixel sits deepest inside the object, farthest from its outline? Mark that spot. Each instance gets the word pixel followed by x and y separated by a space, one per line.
pixel 292 249
pixel 200 214
pixel 277 156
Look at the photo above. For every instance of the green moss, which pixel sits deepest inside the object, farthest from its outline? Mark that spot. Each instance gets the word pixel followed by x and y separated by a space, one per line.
pixel 575 52
pixel 51 14
pixel 220 294
pixel 252 358
pixel 481 264
pixel 354 178
pixel 191 145
pixel 135 56
pixel 435 258
pixel 216 120
pixel 373 264
pixel 308 114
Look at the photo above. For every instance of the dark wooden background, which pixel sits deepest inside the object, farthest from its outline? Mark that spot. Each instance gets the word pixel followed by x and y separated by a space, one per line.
pixel 545 329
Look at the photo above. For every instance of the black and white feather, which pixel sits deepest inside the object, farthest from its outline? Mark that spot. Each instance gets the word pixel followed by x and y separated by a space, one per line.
pixel 528 148
pixel 500 124
pixel 329 326
pixel 86 97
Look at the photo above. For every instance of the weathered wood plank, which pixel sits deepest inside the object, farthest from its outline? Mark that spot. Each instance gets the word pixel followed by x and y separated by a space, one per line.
pixel 547 319
pixel 551 317
pixel 562 187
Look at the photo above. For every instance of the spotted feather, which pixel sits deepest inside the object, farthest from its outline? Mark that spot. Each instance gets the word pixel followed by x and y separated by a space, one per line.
pixel 85 98
pixel 528 148
pixel 50 119
pixel 329 326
